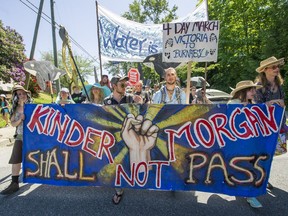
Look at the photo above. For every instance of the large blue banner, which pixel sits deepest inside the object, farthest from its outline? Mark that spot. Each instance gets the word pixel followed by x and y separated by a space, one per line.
pixel 214 148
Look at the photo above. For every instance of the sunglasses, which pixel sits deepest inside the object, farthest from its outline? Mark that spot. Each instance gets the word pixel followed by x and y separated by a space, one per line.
pixel 274 67
pixel 123 85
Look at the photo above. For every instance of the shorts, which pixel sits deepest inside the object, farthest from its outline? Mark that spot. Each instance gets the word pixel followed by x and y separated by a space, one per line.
pixel 16 156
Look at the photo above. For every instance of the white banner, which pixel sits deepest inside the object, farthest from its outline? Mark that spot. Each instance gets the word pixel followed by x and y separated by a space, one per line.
pixel 190 41
pixel 125 40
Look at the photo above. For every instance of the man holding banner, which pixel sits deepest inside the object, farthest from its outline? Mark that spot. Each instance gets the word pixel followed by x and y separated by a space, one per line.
pixel 119 96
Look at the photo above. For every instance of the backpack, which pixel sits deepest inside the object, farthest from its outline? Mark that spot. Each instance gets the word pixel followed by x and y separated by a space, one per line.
pixel 163 94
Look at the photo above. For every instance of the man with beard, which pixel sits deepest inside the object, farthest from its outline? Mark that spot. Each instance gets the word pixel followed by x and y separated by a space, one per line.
pixel 170 93
pixel 119 96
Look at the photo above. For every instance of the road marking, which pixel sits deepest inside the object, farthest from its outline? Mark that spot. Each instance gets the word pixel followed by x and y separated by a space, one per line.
pixel 32 187
pixel 202 197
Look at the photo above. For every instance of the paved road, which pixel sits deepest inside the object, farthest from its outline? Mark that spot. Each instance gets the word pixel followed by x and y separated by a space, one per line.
pixel 54 200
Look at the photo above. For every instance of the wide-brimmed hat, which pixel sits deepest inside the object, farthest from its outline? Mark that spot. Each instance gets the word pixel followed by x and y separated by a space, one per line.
pixel 243 85
pixel 269 62
pixel 118 78
pixel 105 89
pixel 19 87
pixel 2 95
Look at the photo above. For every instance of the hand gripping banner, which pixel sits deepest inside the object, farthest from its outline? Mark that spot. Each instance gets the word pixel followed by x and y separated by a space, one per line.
pixel 212 148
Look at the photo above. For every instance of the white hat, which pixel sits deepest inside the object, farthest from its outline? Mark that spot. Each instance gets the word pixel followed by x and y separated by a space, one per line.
pixel 64 90
pixel 243 85
pixel 2 95
pixel 269 62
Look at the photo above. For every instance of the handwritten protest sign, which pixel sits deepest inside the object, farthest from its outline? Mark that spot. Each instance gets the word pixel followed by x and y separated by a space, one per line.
pixel 223 149
pixel 124 40
pixel 190 41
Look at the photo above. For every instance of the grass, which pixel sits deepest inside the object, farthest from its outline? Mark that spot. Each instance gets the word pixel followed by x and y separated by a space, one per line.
pixel 44 98
pixel 2 122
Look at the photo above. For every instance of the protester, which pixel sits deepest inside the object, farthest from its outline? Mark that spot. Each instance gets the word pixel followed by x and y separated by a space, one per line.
pixel 138 90
pixel 119 96
pixel 97 93
pixel 77 95
pixel 105 81
pixel 270 78
pixel 4 108
pixel 64 97
pixel 170 93
pixel 272 91
pixel 244 94
pixel 20 97
pixel 192 95
pixel 201 98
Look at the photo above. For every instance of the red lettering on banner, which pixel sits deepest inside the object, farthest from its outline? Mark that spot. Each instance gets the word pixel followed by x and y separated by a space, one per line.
pixel 107 141
pixel 220 128
pixel 135 170
pixel 121 172
pixel 145 173
pixel 172 133
pixel 105 146
pixel 48 121
pixel 62 128
pixel 247 130
pixel 38 112
pixel 199 133
pixel 267 121
pixel 158 170
pixel 254 121
pixel 90 131
pixel 75 126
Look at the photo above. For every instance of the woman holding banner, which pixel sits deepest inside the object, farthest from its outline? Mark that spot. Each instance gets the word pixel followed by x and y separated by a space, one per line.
pixel 244 94
pixel 272 93
pixel 20 97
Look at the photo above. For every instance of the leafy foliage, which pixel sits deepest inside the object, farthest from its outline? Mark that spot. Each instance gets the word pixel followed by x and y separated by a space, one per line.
pixel 84 65
pixel 144 11
pixel 11 55
pixel 151 11
pixel 250 31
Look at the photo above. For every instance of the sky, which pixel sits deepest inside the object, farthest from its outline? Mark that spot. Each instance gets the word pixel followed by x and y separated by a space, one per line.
pixel 77 16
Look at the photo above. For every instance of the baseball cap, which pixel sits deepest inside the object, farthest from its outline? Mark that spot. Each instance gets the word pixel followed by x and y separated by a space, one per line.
pixel 118 78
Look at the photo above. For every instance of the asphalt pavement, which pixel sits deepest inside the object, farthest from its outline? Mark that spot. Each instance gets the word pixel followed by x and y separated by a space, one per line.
pixel 37 199
pixel 6 136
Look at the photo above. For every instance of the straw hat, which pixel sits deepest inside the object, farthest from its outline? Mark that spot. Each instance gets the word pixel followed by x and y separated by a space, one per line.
pixel 243 85
pixel 19 87
pixel 269 62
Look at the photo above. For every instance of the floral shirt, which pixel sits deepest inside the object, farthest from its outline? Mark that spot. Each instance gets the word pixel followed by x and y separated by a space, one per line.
pixel 264 94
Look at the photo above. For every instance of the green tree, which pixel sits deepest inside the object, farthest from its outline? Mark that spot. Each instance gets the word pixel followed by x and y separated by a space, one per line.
pixel 151 11
pixel 11 54
pixel 147 11
pixel 250 31
pixel 84 65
